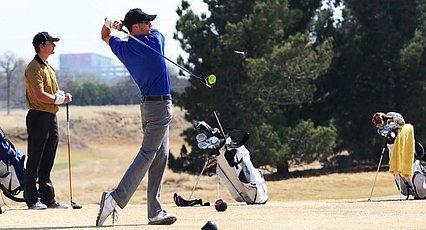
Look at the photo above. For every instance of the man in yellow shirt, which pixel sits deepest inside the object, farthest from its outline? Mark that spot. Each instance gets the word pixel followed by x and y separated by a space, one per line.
pixel 43 97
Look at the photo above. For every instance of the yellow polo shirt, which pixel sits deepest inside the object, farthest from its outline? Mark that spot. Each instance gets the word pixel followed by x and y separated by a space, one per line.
pixel 38 74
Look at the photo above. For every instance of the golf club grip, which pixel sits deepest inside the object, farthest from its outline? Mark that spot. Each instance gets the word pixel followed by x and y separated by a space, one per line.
pixel 68 112
pixel 218 122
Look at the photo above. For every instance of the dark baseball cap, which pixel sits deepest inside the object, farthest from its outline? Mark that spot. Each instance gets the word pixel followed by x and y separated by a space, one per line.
pixel 43 37
pixel 136 16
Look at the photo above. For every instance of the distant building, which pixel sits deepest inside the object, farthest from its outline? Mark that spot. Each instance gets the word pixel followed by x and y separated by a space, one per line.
pixel 104 68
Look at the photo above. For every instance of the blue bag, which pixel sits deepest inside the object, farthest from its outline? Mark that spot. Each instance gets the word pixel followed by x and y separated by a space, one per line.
pixel 12 169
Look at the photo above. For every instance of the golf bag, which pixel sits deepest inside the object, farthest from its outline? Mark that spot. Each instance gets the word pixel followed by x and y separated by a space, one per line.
pixel 416 185
pixel 234 167
pixel 12 169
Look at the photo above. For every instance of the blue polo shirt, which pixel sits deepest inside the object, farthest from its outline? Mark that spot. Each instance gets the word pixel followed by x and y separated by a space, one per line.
pixel 147 68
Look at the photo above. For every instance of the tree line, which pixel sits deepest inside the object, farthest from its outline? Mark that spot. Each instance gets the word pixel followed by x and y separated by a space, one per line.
pixel 87 89
pixel 312 75
pixel 302 77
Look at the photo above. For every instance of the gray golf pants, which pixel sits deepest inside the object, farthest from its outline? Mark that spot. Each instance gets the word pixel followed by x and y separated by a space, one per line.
pixel 152 157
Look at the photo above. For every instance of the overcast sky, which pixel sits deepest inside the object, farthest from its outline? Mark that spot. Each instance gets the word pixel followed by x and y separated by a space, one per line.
pixel 78 24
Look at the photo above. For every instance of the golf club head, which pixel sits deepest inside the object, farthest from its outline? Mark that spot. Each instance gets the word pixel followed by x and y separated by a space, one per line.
pixel 203 125
pixel 210 143
pixel 76 205
pixel 210 80
pixel 216 131
pixel 201 137
pixel 385 130
pixel 213 140
pixel 203 145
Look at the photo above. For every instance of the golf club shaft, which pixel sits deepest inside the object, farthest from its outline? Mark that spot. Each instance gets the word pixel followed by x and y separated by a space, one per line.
pixel 198 179
pixel 218 122
pixel 168 59
pixel 377 172
pixel 69 151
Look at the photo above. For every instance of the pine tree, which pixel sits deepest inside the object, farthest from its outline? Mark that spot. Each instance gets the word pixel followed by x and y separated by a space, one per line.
pixel 253 90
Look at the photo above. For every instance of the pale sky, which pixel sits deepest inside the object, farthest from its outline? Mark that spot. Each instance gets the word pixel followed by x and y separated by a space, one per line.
pixel 78 24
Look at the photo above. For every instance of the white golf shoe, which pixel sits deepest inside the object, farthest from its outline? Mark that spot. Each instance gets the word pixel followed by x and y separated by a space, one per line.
pixel 107 207
pixel 37 206
pixel 162 219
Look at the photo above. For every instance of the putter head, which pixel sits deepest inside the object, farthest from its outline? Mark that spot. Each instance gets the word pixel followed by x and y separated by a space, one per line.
pixel 76 205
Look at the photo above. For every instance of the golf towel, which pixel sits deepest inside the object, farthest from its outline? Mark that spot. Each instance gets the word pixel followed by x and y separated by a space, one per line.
pixel 402 157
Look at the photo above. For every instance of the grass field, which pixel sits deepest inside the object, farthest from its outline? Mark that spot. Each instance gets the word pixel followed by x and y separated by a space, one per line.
pixel 102 150
pixel 105 139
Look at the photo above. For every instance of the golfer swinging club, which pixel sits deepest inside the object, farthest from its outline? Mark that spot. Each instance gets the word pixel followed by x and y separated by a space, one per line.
pixel 149 71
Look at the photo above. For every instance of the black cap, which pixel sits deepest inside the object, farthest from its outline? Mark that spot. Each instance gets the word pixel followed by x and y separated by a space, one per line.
pixel 43 37
pixel 136 16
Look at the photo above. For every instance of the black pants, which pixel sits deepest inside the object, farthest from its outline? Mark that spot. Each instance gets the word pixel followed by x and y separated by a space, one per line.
pixel 43 138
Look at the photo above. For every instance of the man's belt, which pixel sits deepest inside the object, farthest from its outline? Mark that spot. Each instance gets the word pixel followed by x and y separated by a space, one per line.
pixel 157 98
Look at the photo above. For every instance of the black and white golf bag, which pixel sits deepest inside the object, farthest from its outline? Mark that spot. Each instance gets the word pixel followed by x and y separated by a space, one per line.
pixel 233 165
pixel 241 178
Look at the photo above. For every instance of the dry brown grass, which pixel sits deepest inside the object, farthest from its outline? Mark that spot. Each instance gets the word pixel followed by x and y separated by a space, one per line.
pixel 109 125
pixel 102 150
pixel 100 158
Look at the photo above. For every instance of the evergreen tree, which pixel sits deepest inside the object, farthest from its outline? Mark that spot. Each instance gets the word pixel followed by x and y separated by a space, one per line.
pixel 378 66
pixel 254 90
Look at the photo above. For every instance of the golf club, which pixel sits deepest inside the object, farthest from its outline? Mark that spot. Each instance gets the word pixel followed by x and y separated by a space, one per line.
pixel 209 163
pixel 218 122
pixel 74 204
pixel 208 81
pixel 378 168
pixel 198 180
